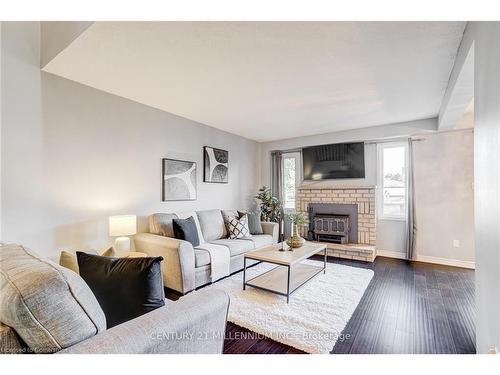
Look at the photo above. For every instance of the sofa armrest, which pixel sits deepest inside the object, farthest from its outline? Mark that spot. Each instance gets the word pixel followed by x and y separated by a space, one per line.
pixel 178 259
pixel 195 324
pixel 272 229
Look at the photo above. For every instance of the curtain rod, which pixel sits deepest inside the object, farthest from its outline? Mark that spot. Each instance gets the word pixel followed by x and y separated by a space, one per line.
pixel 392 139
pixel 369 142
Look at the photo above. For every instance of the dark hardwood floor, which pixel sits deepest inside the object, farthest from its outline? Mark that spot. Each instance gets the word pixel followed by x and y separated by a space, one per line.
pixel 407 308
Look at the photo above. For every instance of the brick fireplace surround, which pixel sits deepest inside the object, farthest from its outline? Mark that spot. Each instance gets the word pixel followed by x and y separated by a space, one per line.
pixel 364 197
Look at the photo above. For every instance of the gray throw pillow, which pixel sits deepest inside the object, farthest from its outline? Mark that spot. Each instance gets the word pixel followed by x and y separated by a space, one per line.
pixel 185 229
pixel 254 223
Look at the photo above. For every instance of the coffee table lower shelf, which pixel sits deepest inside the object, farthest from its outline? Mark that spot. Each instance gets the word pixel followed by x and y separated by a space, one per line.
pixel 283 279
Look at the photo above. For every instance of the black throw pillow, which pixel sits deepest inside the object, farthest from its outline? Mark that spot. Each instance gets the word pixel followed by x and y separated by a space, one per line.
pixel 124 287
pixel 185 229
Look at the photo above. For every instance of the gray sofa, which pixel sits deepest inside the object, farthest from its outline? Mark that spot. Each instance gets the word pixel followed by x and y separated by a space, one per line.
pixel 46 308
pixel 186 268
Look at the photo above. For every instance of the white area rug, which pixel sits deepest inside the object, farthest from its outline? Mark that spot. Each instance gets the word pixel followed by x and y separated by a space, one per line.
pixel 316 315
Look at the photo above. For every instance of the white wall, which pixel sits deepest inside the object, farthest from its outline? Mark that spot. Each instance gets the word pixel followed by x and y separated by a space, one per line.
pixel 73 155
pixel 0 129
pixel 444 197
pixel 486 39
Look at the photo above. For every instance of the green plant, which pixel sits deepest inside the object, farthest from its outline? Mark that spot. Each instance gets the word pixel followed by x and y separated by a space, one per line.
pixel 297 218
pixel 270 207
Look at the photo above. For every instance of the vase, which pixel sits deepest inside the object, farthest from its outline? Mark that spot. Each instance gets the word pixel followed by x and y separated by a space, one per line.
pixel 295 240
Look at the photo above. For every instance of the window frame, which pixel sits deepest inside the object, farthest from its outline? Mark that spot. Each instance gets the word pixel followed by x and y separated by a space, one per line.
pixel 380 181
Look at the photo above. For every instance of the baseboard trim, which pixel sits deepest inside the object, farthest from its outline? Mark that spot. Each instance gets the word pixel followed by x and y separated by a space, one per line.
pixel 391 254
pixel 429 259
pixel 446 262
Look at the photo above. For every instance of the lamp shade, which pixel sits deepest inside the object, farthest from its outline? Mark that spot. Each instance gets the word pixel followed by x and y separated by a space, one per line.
pixel 122 225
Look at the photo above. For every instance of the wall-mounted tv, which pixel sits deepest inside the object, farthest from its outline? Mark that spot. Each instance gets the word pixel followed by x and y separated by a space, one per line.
pixel 335 161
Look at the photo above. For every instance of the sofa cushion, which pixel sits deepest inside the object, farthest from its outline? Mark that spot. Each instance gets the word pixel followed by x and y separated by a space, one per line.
pixel 68 259
pixel 201 258
pixel 260 240
pixel 236 247
pixel 212 224
pixel 49 306
pixel 125 287
pixel 161 224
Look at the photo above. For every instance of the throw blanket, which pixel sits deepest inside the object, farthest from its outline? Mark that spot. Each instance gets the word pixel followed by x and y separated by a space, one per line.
pixel 219 254
pixel 219 260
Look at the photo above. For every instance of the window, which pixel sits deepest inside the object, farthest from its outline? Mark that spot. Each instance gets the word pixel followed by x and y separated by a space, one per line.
pixel 291 179
pixel 392 161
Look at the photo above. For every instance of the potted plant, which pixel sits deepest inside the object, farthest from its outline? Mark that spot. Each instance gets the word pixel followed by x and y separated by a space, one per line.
pixel 297 220
pixel 270 206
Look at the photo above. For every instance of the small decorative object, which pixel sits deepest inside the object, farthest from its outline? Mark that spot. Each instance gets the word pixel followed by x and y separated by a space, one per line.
pixel 215 165
pixel 179 180
pixel 282 247
pixel 121 226
pixel 270 207
pixel 295 240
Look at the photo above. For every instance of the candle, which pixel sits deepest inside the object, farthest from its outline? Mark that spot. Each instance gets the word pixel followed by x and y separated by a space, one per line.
pixel 291 229
pixel 282 226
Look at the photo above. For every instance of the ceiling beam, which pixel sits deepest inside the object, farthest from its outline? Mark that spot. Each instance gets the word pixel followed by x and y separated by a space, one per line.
pixel 57 35
pixel 460 90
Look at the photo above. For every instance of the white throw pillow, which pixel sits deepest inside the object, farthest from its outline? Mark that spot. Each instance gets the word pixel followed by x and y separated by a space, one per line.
pixel 238 228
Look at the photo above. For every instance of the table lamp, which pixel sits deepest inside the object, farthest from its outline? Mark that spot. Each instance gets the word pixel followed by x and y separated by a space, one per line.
pixel 121 226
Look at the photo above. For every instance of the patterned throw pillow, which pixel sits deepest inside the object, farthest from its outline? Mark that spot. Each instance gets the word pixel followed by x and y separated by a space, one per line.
pixel 238 228
pixel 254 223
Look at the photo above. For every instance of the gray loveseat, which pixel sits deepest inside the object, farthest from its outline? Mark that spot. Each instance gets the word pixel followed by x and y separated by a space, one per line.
pixel 186 268
pixel 46 308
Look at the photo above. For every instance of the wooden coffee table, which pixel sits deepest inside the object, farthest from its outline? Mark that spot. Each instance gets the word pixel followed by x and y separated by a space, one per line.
pixel 290 274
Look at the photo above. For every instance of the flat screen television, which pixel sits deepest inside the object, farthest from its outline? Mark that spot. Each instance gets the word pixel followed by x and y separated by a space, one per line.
pixel 335 161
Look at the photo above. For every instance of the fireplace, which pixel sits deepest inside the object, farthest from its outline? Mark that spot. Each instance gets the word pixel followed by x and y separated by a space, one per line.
pixel 333 222
pixel 334 228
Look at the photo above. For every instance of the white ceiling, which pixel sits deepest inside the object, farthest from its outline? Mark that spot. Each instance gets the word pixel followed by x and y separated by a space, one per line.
pixel 271 80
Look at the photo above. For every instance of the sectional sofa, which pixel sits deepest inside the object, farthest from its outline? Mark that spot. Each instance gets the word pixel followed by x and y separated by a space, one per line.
pixel 185 267
pixel 46 308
